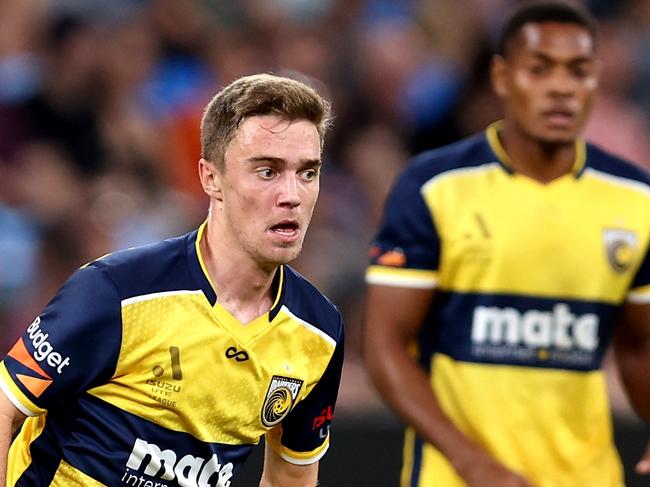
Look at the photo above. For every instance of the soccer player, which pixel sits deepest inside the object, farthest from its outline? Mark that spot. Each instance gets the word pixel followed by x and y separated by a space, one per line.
pixel 497 276
pixel 164 365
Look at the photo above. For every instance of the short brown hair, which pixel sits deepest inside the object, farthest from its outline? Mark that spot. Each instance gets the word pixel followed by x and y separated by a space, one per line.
pixel 260 94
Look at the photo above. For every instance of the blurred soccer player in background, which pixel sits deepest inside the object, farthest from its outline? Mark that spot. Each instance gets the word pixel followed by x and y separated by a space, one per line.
pixel 504 265
pixel 165 364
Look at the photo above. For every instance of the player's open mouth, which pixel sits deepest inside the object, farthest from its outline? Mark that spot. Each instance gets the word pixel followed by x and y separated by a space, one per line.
pixel 288 229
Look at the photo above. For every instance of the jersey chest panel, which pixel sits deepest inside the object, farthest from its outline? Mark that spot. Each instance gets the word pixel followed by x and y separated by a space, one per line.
pixel 579 239
pixel 183 369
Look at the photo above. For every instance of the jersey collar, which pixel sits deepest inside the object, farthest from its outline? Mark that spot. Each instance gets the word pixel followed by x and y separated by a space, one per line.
pixel 200 272
pixel 492 136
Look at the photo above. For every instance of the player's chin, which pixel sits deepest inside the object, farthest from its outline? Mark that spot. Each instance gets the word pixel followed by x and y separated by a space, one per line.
pixel 285 253
pixel 558 137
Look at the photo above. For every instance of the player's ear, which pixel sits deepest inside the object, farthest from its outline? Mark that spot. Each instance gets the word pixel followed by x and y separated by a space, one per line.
pixel 210 178
pixel 499 76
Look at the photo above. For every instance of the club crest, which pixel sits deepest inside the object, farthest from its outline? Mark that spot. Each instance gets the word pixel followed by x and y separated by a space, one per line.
pixel 621 247
pixel 280 399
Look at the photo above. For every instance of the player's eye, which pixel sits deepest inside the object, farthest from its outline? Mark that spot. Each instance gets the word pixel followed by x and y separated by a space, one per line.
pixel 581 71
pixel 538 69
pixel 309 174
pixel 265 173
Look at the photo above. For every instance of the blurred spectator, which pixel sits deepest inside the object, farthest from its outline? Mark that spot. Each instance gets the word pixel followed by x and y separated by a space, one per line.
pixel 100 102
pixel 617 124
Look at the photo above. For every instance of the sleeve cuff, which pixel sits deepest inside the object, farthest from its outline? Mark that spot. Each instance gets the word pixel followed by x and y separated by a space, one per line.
pixel 639 295
pixel 15 395
pixel 294 457
pixel 400 277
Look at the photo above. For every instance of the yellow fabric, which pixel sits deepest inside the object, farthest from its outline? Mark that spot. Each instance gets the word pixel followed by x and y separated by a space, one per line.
pixel 17 393
pixel 68 476
pixel 19 458
pixel 397 276
pixel 583 456
pixel 515 254
pixel 282 347
pixel 551 424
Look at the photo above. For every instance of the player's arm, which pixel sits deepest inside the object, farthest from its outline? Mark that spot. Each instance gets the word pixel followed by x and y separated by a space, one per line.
pixel 295 446
pixel 10 418
pixel 73 344
pixel 632 347
pixel 280 473
pixel 393 319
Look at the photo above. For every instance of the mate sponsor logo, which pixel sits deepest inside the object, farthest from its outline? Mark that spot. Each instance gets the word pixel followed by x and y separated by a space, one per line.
pixel 557 335
pixel 151 466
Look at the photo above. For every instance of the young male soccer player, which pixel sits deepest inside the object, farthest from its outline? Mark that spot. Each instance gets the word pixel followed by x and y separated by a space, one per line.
pixel 497 276
pixel 164 365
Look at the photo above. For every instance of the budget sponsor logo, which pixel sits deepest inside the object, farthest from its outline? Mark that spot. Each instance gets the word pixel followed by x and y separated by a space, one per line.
pixel 43 349
pixel 43 352
pixel 533 335
pixel 149 465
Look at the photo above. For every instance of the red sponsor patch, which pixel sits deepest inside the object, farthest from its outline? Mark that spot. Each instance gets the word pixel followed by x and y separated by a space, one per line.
pixel 325 415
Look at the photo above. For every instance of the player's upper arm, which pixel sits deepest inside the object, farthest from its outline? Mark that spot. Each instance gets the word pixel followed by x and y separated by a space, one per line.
pixel 10 416
pixel 634 324
pixel 280 473
pixel 70 347
pixel 403 269
pixel 394 315
pixel 303 437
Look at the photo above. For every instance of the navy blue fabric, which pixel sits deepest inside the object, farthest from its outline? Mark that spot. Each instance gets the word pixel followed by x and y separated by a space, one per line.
pixel 317 409
pixel 83 325
pixel 453 318
pixel 101 449
pixel 169 265
pixel 603 161
pixel 309 304
pixel 408 225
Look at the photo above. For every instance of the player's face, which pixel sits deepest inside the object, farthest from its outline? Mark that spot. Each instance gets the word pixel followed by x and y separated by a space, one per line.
pixel 270 184
pixel 548 80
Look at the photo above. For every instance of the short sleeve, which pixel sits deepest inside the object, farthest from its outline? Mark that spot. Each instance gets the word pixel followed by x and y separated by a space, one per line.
pixel 303 436
pixel 406 250
pixel 72 346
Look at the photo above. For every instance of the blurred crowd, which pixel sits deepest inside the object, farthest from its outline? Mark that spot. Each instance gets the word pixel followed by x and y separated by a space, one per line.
pixel 100 104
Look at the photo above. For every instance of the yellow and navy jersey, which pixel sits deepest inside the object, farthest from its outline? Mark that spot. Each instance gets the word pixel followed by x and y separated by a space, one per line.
pixel 528 278
pixel 134 374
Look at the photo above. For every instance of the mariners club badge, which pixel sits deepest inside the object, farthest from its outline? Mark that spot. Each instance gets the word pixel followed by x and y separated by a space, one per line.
pixel 621 247
pixel 280 399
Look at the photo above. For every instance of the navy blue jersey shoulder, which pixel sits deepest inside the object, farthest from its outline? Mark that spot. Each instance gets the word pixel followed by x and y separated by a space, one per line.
pixel 306 302
pixel 603 161
pixel 157 267
pixel 469 152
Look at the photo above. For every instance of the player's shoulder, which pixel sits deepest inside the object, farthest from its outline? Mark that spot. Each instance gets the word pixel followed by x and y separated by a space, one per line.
pixel 604 164
pixel 469 153
pixel 157 267
pixel 303 300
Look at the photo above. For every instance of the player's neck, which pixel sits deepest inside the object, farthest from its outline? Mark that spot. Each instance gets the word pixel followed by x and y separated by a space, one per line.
pixel 543 162
pixel 242 286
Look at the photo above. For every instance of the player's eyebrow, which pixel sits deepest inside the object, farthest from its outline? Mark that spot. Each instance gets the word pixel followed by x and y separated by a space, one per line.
pixel 554 60
pixel 280 161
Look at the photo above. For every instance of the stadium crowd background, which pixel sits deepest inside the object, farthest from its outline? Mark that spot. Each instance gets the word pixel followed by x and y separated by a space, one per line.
pixel 100 104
